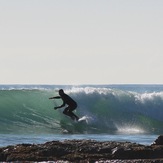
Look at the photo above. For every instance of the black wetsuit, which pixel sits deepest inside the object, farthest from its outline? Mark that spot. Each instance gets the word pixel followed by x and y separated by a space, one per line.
pixel 72 105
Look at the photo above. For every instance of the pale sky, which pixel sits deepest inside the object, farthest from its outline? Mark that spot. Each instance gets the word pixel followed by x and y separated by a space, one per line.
pixel 81 41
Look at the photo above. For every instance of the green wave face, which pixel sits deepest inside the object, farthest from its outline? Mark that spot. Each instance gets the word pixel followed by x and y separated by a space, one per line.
pixel 107 111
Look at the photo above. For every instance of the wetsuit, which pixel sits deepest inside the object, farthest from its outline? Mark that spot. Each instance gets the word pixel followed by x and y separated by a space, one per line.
pixel 72 105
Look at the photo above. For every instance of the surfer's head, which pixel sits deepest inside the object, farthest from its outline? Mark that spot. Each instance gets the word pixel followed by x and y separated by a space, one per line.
pixel 61 92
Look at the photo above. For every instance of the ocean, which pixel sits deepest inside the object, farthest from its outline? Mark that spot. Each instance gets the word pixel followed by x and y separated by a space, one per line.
pixel 113 113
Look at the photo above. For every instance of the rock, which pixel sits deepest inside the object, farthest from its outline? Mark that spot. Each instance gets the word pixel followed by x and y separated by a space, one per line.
pixel 159 140
pixel 80 151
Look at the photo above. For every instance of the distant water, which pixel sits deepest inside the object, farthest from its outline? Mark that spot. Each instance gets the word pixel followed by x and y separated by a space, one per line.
pixel 114 112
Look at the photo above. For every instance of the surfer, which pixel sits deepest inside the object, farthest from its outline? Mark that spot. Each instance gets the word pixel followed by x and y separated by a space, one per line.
pixel 67 100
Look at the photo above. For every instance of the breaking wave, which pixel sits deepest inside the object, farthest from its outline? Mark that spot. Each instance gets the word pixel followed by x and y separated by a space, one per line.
pixel 108 110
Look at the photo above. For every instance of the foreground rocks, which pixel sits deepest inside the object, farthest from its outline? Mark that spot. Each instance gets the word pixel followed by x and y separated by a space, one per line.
pixel 159 140
pixel 84 151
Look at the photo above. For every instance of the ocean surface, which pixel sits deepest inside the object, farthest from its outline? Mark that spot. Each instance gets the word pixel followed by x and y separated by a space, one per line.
pixel 113 112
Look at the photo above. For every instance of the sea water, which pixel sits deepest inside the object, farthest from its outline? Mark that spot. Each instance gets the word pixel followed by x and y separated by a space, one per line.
pixel 114 113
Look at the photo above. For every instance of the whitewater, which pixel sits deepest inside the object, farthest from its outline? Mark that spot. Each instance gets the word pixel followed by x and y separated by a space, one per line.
pixel 114 112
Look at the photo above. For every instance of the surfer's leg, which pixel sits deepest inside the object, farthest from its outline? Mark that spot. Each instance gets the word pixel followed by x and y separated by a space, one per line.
pixel 71 113
pixel 68 113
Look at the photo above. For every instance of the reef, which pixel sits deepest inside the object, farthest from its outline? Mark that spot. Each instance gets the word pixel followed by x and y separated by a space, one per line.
pixel 85 151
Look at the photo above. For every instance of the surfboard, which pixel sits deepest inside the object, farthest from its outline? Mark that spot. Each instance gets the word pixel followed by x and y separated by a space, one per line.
pixel 85 118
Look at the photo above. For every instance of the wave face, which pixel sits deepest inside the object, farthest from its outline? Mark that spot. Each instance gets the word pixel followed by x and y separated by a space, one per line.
pixel 108 110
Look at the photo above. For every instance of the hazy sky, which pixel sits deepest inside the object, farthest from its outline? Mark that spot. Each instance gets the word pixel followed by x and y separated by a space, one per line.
pixel 81 41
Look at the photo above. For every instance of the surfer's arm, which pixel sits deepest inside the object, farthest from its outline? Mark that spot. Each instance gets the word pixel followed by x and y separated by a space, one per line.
pixel 56 97
pixel 60 106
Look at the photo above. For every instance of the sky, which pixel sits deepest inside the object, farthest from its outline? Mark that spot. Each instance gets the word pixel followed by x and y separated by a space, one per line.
pixel 81 42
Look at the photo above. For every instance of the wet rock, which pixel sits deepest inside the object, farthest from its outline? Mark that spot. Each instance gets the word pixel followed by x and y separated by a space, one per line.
pixel 80 151
pixel 159 140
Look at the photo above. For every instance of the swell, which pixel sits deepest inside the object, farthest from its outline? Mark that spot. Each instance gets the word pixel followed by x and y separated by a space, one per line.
pixel 108 111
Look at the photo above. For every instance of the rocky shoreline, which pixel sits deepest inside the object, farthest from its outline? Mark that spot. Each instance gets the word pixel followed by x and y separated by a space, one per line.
pixel 84 151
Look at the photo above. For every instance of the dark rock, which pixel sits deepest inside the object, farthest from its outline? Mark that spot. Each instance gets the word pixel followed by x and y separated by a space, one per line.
pixel 80 151
pixel 159 140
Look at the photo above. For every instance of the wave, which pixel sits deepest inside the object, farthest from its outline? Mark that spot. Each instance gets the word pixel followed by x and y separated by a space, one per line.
pixel 108 110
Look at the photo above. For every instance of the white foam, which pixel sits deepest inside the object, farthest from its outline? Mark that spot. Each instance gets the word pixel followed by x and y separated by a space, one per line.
pixel 84 118
pixel 130 130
